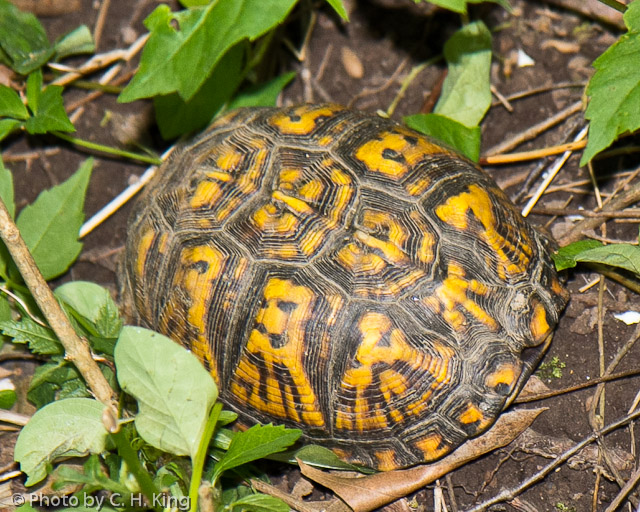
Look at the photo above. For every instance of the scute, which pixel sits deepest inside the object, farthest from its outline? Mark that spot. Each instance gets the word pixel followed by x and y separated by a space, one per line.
pixel 342 274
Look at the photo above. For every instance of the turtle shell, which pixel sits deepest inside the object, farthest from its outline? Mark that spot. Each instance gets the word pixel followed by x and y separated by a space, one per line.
pixel 342 274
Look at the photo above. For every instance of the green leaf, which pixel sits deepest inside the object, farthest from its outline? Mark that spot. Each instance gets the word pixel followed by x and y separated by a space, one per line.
pixel 23 40
pixel 624 256
pixel 6 188
pixel 7 398
pixel 176 117
pixel 174 391
pixel 34 90
pixel 262 95
pixel 55 380
pixel 461 5
pixel 50 114
pixel 41 340
pixel 94 303
pixel 253 444
pixel 195 3
pixel 465 140
pixel 338 6
pixel 322 457
pixel 67 428
pixel 565 257
pixel 180 60
pixel 75 42
pixel 260 503
pixel 7 126
pixel 51 224
pixel 614 89
pixel 466 92
pixel 11 105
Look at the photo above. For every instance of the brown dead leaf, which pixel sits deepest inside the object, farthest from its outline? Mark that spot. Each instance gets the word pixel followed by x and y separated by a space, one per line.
pixel 370 492
pixel 534 386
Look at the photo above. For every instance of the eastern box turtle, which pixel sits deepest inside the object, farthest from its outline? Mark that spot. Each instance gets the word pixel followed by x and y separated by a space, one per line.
pixel 342 274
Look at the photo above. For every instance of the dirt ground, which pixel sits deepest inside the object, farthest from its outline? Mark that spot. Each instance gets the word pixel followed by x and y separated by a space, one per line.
pixel 390 37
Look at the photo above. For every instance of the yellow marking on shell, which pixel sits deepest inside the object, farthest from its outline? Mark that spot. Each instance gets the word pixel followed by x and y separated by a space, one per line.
pixel 431 447
pixel 295 204
pixel 364 415
pixel 400 142
pixel 197 286
pixel 386 460
pixel 506 374
pixel 539 326
pixel 290 175
pixel 312 190
pixel 206 193
pixel 471 415
pixel 290 324
pixel 352 257
pixel 228 159
pixel 391 252
pixel 270 219
pixel 454 212
pixel 144 246
pixel 451 295
pixel 219 175
pixel 557 288
pixel 304 122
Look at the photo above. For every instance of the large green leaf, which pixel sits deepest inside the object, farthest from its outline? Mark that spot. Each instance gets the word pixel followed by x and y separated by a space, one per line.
pixel 614 89
pixel 67 428
pixel 11 105
pixel 174 391
pixel 180 59
pixel 51 224
pixel 22 39
pixel 466 92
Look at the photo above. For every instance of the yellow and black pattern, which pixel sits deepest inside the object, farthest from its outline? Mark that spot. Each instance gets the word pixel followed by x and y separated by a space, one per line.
pixel 345 275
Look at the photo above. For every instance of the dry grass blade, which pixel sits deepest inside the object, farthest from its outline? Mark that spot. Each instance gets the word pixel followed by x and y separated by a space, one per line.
pixel 370 492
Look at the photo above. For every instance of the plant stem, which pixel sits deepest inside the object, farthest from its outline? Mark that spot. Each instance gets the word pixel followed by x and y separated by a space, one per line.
pixel 108 149
pixel 198 461
pixel 147 486
pixel 76 349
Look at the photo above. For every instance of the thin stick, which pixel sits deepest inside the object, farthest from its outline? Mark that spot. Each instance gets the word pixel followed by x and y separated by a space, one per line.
pixel 76 350
pixel 510 494
pixel 117 202
pixel 552 174
pixel 102 16
pixel 535 130
pixel 533 154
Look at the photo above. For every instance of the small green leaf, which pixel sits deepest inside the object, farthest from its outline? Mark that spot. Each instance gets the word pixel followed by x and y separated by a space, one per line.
pixel 55 380
pixel 6 188
pixel 67 428
pixel 176 117
pixel 41 340
pixel 23 40
pixel 34 90
pixel 614 89
pixel 174 391
pixel 75 42
pixel 624 256
pixel 7 398
pixel 174 60
pixel 259 503
pixel 338 6
pixel 262 95
pixel 322 457
pixel 195 3
pixel 465 140
pixel 51 224
pixel 50 114
pixel 466 92
pixel 11 105
pixel 7 126
pixel 253 444
pixel 94 303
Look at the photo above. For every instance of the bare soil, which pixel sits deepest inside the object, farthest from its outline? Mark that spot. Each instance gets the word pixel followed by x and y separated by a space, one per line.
pixel 388 38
